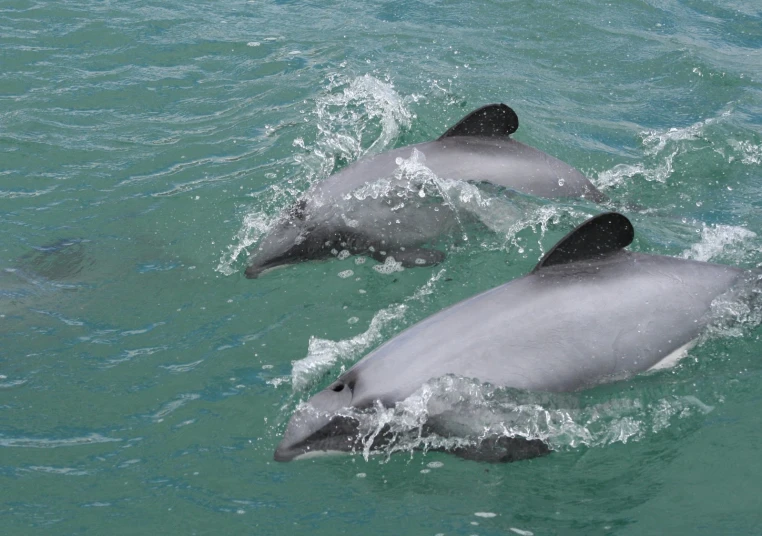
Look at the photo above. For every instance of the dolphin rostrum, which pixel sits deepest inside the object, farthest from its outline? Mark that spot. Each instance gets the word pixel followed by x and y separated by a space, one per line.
pixel 590 312
pixel 375 206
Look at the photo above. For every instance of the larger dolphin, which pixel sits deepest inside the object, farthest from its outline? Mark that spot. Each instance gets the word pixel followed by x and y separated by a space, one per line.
pixel 372 206
pixel 590 312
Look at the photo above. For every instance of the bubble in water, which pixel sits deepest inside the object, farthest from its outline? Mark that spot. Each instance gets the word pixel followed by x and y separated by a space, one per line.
pixel 389 267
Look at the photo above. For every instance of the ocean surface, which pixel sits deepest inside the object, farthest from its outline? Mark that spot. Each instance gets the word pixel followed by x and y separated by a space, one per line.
pixel 145 146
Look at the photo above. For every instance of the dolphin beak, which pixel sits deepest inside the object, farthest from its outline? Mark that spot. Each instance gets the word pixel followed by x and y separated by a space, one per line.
pixel 317 427
pixel 252 272
pixel 284 452
pixel 303 433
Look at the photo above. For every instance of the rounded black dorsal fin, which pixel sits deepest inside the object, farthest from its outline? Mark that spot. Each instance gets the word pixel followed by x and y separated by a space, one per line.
pixel 493 120
pixel 599 236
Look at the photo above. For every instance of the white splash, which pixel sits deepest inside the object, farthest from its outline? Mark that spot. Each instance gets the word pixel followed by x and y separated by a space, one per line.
pixel 471 411
pixel 733 313
pixel 750 154
pixel 656 140
pixel 350 114
pixel 717 240
pixel 622 173
pixel 660 148
pixel 342 128
pixel 254 227
pixel 322 354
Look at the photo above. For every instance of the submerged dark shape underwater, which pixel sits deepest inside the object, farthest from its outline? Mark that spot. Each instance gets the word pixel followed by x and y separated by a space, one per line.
pixel 591 312
pixel 61 260
pixel 379 204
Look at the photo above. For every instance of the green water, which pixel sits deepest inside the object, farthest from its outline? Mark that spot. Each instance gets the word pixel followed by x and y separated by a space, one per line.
pixel 144 382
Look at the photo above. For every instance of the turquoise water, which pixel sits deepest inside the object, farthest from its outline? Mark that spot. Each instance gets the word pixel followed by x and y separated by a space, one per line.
pixel 144 382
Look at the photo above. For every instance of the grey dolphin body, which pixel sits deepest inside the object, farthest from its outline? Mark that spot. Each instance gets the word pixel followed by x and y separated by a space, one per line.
pixel 589 313
pixel 373 207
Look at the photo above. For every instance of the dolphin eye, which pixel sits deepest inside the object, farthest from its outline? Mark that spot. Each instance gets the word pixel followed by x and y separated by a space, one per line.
pixel 339 387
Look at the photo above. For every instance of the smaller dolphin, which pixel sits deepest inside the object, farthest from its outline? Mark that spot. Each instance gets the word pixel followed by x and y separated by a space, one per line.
pixel 590 312
pixel 372 207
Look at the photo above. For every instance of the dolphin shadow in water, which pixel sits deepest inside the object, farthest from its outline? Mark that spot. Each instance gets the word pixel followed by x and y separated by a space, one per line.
pixel 590 312
pixel 52 267
pixel 62 260
pixel 379 205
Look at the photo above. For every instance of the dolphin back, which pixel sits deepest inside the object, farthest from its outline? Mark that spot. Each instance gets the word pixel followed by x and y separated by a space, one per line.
pixel 377 203
pixel 604 314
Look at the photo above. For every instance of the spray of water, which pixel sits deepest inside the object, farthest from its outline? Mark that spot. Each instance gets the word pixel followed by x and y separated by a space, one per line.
pixel 661 147
pixel 475 411
pixel 350 115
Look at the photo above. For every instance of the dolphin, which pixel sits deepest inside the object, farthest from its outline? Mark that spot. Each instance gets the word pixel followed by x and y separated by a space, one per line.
pixel 590 312
pixel 373 206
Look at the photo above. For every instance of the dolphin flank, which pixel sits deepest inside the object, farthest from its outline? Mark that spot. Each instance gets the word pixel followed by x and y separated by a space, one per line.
pixel 590 312
pixel 353 211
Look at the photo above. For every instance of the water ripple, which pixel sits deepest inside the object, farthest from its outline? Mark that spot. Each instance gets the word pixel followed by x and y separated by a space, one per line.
pixel 45 443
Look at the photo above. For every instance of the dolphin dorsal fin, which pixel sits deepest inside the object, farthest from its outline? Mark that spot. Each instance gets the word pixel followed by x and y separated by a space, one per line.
pixel 599 236
pixel 493 120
